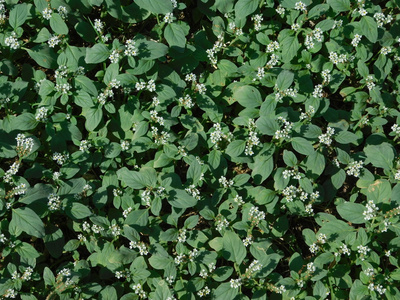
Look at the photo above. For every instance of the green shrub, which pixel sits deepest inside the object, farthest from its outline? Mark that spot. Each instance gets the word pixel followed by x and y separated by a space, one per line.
pixel 222 149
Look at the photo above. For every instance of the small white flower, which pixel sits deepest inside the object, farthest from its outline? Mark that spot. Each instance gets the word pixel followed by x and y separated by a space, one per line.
pixel 47 13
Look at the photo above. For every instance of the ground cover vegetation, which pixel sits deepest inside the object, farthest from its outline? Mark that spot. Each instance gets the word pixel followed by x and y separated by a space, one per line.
pixel 213 149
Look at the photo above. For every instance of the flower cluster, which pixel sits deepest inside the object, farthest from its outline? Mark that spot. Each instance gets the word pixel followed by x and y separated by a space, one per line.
pixel 284 133
pixel 354 168
pixel 326 138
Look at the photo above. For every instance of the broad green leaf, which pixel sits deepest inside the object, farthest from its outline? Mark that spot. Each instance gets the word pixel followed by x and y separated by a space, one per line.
pixel 247 96
pixel 380 191
pixel 138 217
pixel 58 25
pixel 25 121
pixel 352 212
pixel 108 293
pixel 27 220
pixel 290 44
pixel 181 199
pixel 267 125
pixel 93 115
pixel 112 150
pixel 146 177
pixel 284 80
pixel 380 156
pixel 44 56
pixel 338 178
pixel 302 146
pixel 225 292
pixel 78 211
pixel 346 137
pixel 160 262
pixel 18 15
pixel 340 5
pixel 243 8
pixel 289 158
pixel 162 291
pixel 111 73
pixel 155 6
pixel 85 84
pixel 236 148
pixel 97 54
pixel 175 35
pixel 233 248
pixel 315 163
pixel 369 28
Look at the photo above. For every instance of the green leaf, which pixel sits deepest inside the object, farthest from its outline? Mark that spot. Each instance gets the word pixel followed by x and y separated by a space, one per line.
pixel 315 163
pixel 369 28
pixel 155 6
pixel 236 148
pixel 380 191
pixel 78 211
pixel 248 96
pixel 160 262
pixel 338 178
pixel 162 291
pixel 175 35
pixel 340 5
pixel 18 15
pixel 291 46
pixel 27 251
pixel 44 56
pixel 289 158
pixel 149 50
pixel 380 156
pixel 225 292
pixel 267 126
pixel 112 150
pixel 352 212
pixel 181 199
pixel 27 220
pixel 302 146
pixel 138 217
pixel 233 248
pixel 57 24
pixel 97 54
pixel 93 115
pixel 48 277
pixel 85 84
pixel 284 80
pixel 25 121
pixel 243 8
pixel 108 293
pixel 111 73
pixel 146 177
pixel 346 137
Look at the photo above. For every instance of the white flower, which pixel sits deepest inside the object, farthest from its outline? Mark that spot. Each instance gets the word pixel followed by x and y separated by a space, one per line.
pixel 53 41
pixel 310 267
pixel 354 168
pixel 98 25
pixel 370 211
pixel 300 6
pixel 62 10
pixel 114 56
pixel 236 283
pixel 41 115
pixel 12 41
pixel 356 40
pixel 47 13
pixel 168 18
pixel 85 146
pixel 130 49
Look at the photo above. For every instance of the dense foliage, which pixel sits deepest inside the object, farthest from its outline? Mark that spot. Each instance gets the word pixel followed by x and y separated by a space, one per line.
pixel 223 149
